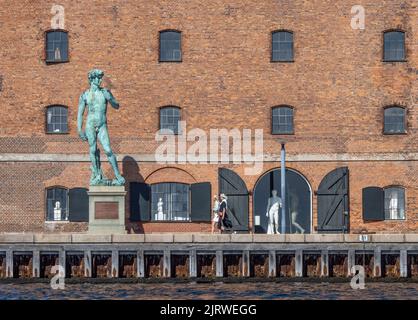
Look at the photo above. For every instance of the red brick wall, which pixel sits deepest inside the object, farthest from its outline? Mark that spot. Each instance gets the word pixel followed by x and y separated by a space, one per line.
pixel 22 202
pixel 338 86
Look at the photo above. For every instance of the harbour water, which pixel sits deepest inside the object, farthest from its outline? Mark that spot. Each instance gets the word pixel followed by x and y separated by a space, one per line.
pixel 203 291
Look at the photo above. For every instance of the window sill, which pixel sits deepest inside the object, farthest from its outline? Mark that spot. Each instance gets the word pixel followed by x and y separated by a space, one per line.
pixel 283 134
pixel 170 61
pixel 394 61
pixel 395 133
pixel 169 133
pixel 165 132
pixel 57 222
pixel 56 62
pixel 167 222
pixel 57 133
pixel 284 61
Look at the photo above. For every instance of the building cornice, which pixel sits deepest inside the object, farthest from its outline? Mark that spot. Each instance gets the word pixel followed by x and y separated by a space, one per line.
pixel 301 157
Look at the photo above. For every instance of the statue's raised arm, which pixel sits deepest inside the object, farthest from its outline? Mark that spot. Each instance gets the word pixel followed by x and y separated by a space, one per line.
pixel 111 99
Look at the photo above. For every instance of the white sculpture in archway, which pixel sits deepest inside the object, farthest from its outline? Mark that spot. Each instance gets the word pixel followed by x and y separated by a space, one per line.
pixel 160 213
pixel 273 207
pixel 294 208
pixel 57 211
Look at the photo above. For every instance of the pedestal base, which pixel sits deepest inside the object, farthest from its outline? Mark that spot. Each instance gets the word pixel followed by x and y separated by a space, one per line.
pixel 107 209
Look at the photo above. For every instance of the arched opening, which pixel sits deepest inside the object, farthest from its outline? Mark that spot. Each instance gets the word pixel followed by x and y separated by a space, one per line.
pixel 298 203
pixel 231 184
pixel 333 202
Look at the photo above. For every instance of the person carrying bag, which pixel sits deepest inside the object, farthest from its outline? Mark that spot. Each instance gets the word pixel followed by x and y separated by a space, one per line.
pixel 224 221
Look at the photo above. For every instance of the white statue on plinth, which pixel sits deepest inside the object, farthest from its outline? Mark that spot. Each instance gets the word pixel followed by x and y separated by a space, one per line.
pixel 57 211
pixel 393 207
pixel 273 206
pixel 160 213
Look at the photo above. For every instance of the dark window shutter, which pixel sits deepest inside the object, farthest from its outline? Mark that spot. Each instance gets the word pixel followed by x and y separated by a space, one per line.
pixel 140 201
pixel 201 202
pixel 78 205
pixel 373 204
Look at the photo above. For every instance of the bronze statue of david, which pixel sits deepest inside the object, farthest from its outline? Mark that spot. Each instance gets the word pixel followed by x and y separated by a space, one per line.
pixel 96 99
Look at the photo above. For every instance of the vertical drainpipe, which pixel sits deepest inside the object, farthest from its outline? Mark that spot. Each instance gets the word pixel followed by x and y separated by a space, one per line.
pixel 283 185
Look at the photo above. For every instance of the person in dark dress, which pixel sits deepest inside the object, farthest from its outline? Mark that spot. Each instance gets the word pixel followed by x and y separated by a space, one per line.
pixel 224 222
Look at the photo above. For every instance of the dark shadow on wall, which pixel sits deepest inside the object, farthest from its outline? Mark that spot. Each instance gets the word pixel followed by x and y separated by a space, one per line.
pixel 131 170
pixel 132 173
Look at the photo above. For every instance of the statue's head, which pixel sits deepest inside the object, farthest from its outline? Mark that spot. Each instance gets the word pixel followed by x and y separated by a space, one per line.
pixel 96 77
pixel 274 193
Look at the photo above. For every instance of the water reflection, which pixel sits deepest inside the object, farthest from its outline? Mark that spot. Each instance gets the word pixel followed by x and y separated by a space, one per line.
pixel 216 291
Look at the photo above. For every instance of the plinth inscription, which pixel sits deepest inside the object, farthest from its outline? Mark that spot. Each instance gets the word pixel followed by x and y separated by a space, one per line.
pixel 106 210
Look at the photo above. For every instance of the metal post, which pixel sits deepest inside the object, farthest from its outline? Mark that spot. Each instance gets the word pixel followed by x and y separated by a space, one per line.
pixel 404 263
pixel 283 185
pixel 219 264
pixel 193 264
pixel 140 264
pixel 115 264
pixel 272 264
pixel 324 263
pixel 246 263
pixel 299 263
pixel 36 263
pixel 87 264
pixel 351 261
pixel 377 269
pixel 62 262
pixel 167 264
pixel 9 263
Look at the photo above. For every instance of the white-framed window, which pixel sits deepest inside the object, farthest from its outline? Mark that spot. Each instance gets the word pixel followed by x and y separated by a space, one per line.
pixel 394 120
pixel 170 202
pixel 57 119
pixel 282 46
pixel 170 46
pixel 394 46
pixel 282 120
pixel 56 46
pixel 169 120
pixel 394 203
pixel 57 204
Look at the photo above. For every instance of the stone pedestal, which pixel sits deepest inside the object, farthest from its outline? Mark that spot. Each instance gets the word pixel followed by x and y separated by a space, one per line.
pixel 107 209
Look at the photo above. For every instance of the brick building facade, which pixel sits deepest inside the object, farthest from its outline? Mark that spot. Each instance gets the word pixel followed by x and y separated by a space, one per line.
pixel 338 85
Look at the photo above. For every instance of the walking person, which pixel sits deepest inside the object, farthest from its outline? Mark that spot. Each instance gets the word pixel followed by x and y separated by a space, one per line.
pixel 215 211
pixel 224 221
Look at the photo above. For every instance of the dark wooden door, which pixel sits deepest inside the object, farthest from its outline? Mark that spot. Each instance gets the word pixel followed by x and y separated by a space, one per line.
pixel 235 189
pixel 333 202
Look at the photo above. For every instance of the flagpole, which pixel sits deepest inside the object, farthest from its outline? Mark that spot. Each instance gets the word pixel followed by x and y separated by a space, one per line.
pixel 283 185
